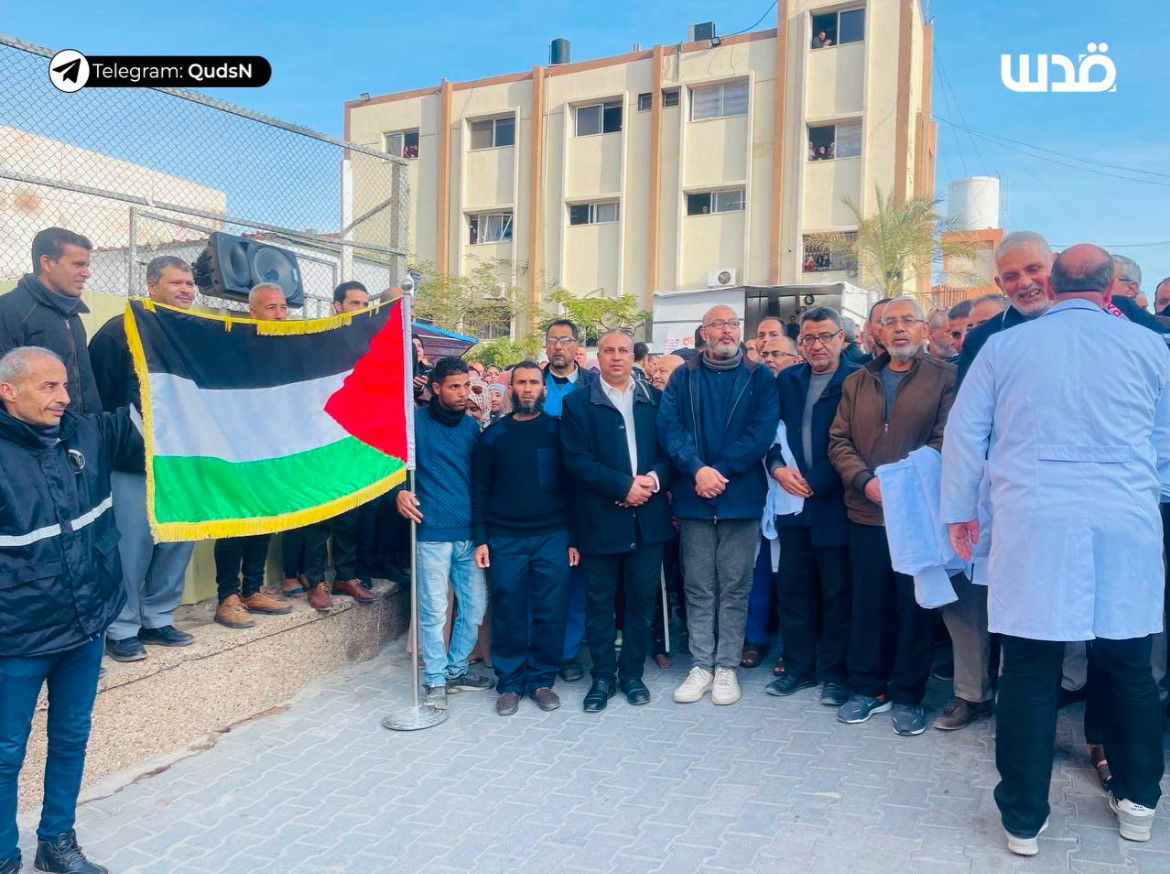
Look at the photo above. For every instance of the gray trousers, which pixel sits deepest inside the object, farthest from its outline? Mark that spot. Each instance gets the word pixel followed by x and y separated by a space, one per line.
pixel 152 573
pixel 966 621
pixel 717 561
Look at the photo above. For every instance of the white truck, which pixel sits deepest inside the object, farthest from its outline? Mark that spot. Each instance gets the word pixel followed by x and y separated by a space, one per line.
pixel 678 313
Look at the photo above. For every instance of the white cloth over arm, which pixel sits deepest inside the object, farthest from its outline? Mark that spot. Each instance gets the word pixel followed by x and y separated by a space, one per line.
pixel 779 502
pixel 918 541
pixel 1071 414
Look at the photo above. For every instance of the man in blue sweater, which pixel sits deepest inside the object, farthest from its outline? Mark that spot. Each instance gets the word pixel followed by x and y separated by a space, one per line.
pixel 718 417
pixel 444 437
pixel 520 505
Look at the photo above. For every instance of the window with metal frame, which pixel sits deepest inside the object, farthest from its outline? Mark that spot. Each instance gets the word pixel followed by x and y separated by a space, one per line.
pixel 593 213
pixel 706 202
pixel 401 144
pixel 493 133
pixel 489 227
pixel 599 118
pixel 716 101
pixel 838 28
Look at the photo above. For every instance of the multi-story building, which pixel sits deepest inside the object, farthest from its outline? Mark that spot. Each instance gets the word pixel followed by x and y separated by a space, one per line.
pixel 704 163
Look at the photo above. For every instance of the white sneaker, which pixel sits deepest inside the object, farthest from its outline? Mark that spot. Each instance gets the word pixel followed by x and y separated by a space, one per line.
pixel 1133 820
pixel 726 687
pixel 1025 846
pixel 694 687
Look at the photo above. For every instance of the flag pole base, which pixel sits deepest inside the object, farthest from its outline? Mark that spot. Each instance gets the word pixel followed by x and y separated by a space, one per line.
pixel 414 718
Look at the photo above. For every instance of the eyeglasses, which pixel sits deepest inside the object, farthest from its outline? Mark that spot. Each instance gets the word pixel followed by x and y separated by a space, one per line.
pixel 904 321
pixel 778 353
pixel 812 339
pixel 559 341
pixel 720 324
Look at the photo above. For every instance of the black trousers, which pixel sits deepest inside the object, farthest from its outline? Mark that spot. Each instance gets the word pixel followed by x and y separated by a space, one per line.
pixel 638 575
pixel 890 636
pixel 233 554
pixel 815 645
pixel 345 543
pixel 1025 716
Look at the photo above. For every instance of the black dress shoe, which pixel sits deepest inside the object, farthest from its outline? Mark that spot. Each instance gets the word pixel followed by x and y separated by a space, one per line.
pixel 788 683
pixel 168 635
pixel 600 691
pixel 571 671
pixel 61 855
pixel 636 692
pixel 126 649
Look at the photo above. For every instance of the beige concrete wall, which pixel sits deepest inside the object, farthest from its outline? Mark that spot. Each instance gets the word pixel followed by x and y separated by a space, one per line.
pixel 852 81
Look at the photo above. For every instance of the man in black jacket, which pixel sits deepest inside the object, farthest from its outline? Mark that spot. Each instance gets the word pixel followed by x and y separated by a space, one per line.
pixel 814 544
pixel 153 573
pixel 610 442
pixel 45 310
pixel 60 586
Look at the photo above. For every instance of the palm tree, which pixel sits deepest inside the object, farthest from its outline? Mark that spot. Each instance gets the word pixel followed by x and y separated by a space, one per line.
pixel 897 243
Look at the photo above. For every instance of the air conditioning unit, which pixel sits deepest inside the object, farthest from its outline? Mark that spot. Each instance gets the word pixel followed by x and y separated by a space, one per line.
pixel 703 31
pixel 500 293
pixel 721 277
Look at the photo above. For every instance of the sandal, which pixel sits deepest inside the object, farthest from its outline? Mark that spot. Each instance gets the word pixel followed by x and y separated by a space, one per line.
pixel 751 656
pixel 779 669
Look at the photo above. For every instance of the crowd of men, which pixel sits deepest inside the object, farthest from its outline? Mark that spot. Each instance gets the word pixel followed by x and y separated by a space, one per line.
pixel 785 491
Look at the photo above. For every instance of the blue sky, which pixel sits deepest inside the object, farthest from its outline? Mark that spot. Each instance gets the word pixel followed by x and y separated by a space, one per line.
pixel 325 53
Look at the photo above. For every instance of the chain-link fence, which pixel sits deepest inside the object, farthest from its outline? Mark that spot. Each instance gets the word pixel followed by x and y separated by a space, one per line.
pixel 150 171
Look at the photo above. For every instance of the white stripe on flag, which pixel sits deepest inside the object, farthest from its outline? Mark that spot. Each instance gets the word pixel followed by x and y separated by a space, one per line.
pixel 242 424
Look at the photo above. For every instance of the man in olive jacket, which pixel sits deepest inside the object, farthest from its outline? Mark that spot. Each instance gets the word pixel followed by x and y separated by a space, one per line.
pixel 609 440
pixel 60 586
pixel 895 404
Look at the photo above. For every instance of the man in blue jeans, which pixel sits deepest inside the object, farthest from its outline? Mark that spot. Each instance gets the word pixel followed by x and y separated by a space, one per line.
pixel 520 508
pixel 60 587
pixel 445 437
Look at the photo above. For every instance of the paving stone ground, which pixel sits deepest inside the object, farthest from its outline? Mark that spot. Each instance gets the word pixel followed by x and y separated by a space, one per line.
pixel 766 785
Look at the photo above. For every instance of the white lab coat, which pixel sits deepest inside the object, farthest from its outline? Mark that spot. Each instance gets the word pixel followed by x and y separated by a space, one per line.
pixel 1072 413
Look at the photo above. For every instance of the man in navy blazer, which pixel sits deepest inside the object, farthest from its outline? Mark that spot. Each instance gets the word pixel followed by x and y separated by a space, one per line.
pixel 609 441
pixel 814 553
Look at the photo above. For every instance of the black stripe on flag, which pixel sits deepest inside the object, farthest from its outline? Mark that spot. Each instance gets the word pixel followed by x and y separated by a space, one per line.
pixel 202 349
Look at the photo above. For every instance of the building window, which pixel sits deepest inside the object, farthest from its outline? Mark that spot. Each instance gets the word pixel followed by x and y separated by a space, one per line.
pixel 819 256
pixel 715 101
pixel 838 28
pixel 599 118
pixel 829 141
pixel 401 144
pixel 704 202
pixel 493 133
pixel 489 227
pixel 593 213
pixel 669 98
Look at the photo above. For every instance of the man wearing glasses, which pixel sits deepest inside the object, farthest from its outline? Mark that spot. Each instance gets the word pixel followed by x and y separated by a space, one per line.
pixel 814 553
pixel 892 406
pixel 718 419
pixel 563 376
pixel 778 353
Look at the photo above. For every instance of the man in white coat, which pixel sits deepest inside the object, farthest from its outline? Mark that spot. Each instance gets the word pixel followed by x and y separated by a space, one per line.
pixel 1071 412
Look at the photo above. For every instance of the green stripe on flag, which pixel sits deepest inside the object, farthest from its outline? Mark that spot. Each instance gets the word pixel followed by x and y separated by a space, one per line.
pixel 201 489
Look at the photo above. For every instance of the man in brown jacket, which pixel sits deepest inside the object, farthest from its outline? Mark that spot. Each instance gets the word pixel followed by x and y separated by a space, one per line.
pixel 892 406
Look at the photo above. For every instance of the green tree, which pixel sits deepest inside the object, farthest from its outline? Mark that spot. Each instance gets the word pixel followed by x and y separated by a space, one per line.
pixel 483 301
pixel 596 315
pixel 897 243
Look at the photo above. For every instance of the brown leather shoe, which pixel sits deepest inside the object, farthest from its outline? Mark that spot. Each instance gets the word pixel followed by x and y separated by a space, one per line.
pixel 960 713
pixel 355 590
pixel 262 602
pixel 319 597
pixel 507 704
pixel 545 698
pixel 231 613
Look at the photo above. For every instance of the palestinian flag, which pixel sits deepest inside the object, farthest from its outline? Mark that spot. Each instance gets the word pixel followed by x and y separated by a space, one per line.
pixel 253 427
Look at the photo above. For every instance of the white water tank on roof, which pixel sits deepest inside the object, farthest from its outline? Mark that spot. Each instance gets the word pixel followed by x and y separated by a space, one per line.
pixel 973 203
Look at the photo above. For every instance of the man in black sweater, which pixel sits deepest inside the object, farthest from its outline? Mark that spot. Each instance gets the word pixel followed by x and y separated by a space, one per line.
pixel 520 521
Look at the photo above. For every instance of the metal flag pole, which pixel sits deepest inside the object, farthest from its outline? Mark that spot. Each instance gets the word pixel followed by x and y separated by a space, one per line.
pixel 417 715
pixel 665 609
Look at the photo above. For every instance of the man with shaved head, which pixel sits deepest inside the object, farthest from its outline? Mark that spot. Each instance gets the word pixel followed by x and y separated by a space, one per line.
pixel 664 367
pixel 718 418
pixel 1078 454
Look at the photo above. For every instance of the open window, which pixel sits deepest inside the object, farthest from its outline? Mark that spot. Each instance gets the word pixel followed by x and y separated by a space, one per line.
pixel 593 213
pixel 599 118
pixel 829 141
pixel 838 28
pixel 706 202
pixel 820 257
pixel 489 227
pixel 401 144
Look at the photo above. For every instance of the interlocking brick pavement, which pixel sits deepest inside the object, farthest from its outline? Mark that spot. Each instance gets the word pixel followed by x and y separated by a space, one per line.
pixel 766 785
